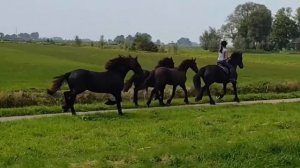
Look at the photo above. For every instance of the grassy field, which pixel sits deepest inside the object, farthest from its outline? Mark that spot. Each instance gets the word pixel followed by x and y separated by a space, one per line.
pixel 230 136
pixel 26 70
pixel 25 66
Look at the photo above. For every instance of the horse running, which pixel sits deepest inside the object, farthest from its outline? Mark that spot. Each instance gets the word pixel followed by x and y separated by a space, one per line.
pixel 139 81
pixel 216 73
pixel 170 76
pixel 110 81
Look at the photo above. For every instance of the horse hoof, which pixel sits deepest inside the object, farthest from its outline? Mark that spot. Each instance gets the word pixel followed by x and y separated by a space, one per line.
pixel 65 108
pixel 219 97
pixel 212 103
pixel 162 104
pixel 73 113
pixel 197 99
pixel 110 102
pixel 120 113
pixel 168 102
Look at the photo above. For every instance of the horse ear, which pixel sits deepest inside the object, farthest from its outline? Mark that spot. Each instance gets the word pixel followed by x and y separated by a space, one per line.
pixel 136 58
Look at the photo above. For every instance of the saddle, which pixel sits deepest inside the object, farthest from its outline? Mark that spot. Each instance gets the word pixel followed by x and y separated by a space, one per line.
pixel 224 68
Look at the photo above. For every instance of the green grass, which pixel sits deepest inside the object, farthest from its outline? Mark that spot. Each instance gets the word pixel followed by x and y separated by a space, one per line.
pixel 25 66
pixel 228 136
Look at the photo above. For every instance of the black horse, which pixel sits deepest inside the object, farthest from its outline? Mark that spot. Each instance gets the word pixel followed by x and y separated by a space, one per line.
pixel 171 76
pixel 216 73
pixel 111 81
pixel 138 81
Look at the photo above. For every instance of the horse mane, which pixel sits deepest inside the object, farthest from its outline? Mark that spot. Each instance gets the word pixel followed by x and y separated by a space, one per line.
pixel 184 63
pixel 116 62
pixel 236 54
pixel 162 62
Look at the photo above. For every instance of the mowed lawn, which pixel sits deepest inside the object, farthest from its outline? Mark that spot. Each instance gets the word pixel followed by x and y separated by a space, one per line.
pixel 25 66
pixel 226 136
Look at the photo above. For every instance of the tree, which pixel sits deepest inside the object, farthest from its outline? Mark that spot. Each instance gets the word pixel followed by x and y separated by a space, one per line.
pixel 77 41
pixel 129 41
pixel 297 17
pixel 119 39
pixel 249 24
pixel 1 35
pixel 101 42
pixel 142 41
pixel 184 42
pixel 284 28
pixel 259 26
pixel 210 39
pixel 24 36
pixel 34 36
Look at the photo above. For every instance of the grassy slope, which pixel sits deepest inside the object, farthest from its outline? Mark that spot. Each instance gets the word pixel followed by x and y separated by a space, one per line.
pixel 24 66
pixel 246 136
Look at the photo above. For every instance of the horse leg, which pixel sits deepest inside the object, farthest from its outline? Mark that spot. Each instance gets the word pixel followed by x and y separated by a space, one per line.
pixel 72 101
pixel 161 96
pixel 118 101
pixel 151 97
pixel 146 93
pixel 235 92
pixel 186 100
pixel 200 95
pixel 172 96
pixel 211 101
pixel 224 91
pixel 135 96
pixel 66 106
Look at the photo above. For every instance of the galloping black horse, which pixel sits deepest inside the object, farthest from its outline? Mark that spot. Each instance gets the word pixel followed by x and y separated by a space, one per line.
pixel 215 73
pixel 138 81
pixel 111 81
pixel 171 76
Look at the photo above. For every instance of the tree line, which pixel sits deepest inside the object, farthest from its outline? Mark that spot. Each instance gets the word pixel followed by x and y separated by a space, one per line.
pixel 140 41
pixel 20 36
pixel 251 26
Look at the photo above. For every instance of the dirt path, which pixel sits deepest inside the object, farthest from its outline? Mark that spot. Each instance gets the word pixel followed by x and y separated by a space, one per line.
pixel 15 118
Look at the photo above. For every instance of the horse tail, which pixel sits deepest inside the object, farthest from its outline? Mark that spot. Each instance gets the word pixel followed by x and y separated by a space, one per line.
pixel 197 79
pixel 57 83
pixel 129 83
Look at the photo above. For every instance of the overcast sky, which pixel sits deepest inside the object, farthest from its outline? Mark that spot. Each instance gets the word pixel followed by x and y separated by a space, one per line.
pixel 167 20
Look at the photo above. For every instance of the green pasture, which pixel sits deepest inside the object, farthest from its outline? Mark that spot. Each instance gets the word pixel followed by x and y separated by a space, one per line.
pixel 26 66
pixel 226 136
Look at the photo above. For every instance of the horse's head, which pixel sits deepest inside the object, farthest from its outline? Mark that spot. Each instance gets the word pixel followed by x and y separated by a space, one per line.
pixel 123 64
pixel 134 65
pixel 236 59
pixel 166 62
pixel 189 63
pixel 193 65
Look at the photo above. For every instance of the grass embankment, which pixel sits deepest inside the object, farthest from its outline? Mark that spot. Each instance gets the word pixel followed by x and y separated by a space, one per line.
pixel 230 136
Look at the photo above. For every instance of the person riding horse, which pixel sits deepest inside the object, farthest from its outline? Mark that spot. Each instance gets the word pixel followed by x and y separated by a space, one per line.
pixel 222 61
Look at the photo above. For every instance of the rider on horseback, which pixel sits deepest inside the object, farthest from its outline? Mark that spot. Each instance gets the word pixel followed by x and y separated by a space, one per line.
pixel 223 58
